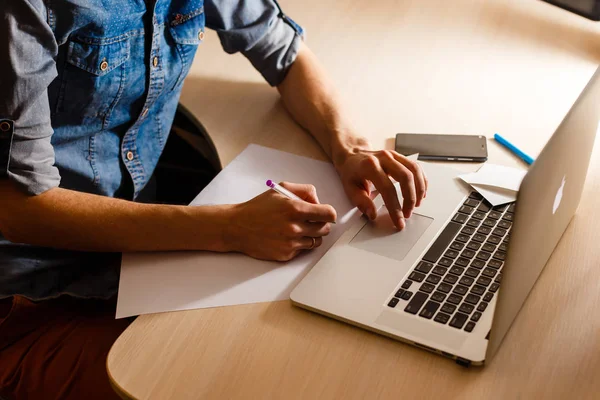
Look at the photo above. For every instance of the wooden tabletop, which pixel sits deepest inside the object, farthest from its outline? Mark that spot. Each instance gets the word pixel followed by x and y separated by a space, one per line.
pixel 431 66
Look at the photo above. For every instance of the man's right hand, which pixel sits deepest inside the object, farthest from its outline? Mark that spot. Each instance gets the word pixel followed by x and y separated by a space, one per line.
pixel 274 227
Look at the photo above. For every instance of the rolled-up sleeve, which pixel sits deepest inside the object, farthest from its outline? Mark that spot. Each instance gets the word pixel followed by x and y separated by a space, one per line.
pixel 27 67
pixel 260 31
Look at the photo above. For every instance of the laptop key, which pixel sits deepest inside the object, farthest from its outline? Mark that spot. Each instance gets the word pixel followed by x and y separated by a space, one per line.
pixel 438 296
pixel 489 247
pixel 473 222
pixel 451 279
pixel 460 218
pixel 471 203
pixel 498 278
pixel 482 306
pixel 406 284
pixel 467 281
pixel 407 295
pixel 472 272
pixel 489 272
pixel 427 288
pixel 478 237
pixel 484 281
pixel 478 290
pixel 466 308
pixel 508 217
pixel 467 230
pixel 475 195
pixel 458 320
pixel 461 290
pixel 472 299
pixel 483 255
pixel 434 279
pixel 424 267
pixel 439 270
pixel 484 230
pixel 478 264
pixel 504 224
pixel 393 302
pixel 489 222
pixel 499 232
pixel 468 253
pixel 451 254
pixel 470 326
pixel 503 246
pixel 448 308
pixel 442 318
pixel 454 299
pixel 463 238
pixel 457 246
pixel 478 215
pixel 476 315
pixel 461 261
pixel 416 276
pixel 430 308
pixel 399 293
pixel 457 270
pixel 484 206
pixel 466 210
pixel 488 296
pixel 494 239
pixel 500 208
pixel 444 287
pixel 500 255
pixel 446 262
pixel 496 264
pixel 511 208
pixel 416 303
pixel 495 215
pixel 441 243
pixel 494 287
pixel 473 246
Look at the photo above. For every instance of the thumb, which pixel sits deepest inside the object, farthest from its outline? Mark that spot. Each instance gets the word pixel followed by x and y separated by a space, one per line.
pixel 304 191
pixel 360 197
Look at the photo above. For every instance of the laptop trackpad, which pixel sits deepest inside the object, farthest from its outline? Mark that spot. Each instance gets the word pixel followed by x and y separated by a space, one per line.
pixel 381 236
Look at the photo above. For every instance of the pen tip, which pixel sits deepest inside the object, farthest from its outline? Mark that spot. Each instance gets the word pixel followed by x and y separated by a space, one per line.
pixel 269 183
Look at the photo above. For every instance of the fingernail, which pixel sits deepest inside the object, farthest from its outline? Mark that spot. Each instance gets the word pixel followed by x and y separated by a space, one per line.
pixel 407 213
pixel 400 218
pixel 372 214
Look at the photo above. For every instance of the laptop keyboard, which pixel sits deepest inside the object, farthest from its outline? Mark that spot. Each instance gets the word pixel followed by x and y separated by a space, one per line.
pixel 461 272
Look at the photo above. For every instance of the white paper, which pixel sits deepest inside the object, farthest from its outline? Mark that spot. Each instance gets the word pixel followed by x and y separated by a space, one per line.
pixel 496 183
pixel 159 282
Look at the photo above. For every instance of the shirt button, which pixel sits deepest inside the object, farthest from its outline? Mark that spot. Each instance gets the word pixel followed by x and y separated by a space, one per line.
pixel 144 112
pixel 201 35
pixel 129 155
pixel 103 65
pixel 155 61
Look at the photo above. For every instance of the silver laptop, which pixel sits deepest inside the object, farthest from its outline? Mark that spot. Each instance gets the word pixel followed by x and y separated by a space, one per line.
pixel 455 278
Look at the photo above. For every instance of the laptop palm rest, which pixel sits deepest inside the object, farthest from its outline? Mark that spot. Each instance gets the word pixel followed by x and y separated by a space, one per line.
pixel 381 236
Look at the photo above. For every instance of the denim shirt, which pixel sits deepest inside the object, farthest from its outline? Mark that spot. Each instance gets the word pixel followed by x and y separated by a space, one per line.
pixel 93 88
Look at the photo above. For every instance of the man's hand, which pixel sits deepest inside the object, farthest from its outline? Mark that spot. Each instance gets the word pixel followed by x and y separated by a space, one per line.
pixel 362 166
pixel 274 227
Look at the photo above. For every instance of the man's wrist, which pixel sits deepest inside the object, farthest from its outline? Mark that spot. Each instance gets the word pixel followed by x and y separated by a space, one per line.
pixel 344 145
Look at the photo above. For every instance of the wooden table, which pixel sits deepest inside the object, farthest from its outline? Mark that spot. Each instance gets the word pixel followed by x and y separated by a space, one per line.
pixel 461 66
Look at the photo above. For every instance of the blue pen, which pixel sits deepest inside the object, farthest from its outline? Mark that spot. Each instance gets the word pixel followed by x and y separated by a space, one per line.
pixel 513 149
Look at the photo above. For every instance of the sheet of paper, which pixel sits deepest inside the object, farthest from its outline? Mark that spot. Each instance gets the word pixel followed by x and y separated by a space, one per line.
pixel 496 183
pixel 159 282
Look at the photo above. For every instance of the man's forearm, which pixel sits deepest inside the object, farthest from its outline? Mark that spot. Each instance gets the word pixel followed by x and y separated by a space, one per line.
pixel 311 99
pixel 79 221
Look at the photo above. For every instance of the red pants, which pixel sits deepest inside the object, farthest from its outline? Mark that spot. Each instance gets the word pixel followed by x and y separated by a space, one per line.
pixel 57 349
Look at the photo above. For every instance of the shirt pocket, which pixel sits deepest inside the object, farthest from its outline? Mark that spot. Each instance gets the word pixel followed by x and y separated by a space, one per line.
pixel 187 32
pixel 93 77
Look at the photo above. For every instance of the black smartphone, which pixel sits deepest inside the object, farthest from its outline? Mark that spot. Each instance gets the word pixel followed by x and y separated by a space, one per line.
pixel 586 8
pixel 443 147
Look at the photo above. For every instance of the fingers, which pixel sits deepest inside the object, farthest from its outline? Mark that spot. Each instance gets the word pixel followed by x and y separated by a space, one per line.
pixel 420 179
pixel 309 243
pixel 304 191
pixel 361 198
pixel 388 192
pixel 407 183
pixel 313 212
pixel 315 229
